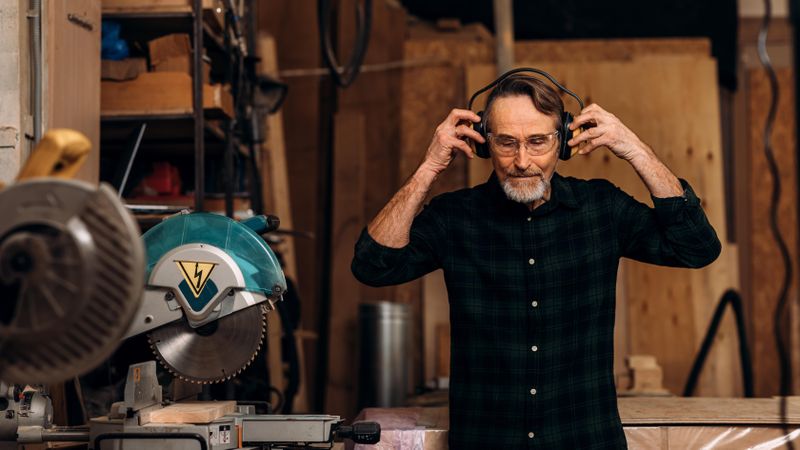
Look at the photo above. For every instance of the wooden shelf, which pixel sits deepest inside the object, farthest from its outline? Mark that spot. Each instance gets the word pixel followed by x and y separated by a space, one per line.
pixel 165 134
pixel 147 12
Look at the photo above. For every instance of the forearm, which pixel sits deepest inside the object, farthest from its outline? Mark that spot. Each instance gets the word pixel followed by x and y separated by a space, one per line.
pixel 392 225
pixel 660 181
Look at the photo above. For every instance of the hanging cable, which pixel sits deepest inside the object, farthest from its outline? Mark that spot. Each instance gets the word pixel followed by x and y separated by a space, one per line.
pixel 780 341
pixel 346 75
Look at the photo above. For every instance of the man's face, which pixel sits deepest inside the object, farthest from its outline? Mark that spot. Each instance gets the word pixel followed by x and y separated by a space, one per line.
pixel 525 178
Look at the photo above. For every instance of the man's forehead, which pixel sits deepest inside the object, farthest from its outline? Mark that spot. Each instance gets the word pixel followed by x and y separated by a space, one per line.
pixel 518 112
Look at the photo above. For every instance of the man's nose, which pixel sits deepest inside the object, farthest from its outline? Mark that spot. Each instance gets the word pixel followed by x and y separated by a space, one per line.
pixel 522 160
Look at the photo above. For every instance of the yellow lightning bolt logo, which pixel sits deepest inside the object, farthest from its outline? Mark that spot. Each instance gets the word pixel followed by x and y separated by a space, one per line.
pixel 196 274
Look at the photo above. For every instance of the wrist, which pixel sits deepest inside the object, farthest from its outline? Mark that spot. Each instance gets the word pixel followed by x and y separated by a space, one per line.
pixel 641 153
pixel 426 173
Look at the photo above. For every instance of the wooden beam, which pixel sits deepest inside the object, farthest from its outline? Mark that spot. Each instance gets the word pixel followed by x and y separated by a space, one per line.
pixel 282 19
pixel 349 161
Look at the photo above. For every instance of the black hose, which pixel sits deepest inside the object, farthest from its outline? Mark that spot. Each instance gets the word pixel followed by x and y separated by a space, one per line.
pixel 348 73
pixel 735 300
pixel 786 370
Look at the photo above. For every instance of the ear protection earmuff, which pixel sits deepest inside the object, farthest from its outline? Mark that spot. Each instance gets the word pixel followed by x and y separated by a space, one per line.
pixel 565 134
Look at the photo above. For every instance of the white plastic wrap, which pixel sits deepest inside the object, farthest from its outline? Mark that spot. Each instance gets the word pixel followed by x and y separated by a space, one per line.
pixel 706 437
pixel 407 428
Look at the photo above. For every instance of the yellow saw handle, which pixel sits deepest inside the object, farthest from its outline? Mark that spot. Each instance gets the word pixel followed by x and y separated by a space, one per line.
pixel 60 154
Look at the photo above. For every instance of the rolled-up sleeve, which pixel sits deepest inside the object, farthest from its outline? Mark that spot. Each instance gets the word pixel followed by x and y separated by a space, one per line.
pixel 375 264
pixel 674 232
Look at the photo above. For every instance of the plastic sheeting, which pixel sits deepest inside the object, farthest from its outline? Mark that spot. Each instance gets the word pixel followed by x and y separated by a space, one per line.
pixel 705 437
pixel 407 428
pixel 426 429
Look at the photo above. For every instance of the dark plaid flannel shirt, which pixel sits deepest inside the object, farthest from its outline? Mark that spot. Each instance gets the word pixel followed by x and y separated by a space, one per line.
pixel 532 298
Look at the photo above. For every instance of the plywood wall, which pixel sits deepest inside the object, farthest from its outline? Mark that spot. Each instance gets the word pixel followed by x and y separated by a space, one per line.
pixel 671 102
pixel 71 97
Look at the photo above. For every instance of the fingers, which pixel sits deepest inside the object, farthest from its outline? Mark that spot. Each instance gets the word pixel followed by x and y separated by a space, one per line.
pixel 592 115
pixel 590 140
pixel 460 145
pixel 585 136
pixel 468 132
pixel 586 119
pixel 457 115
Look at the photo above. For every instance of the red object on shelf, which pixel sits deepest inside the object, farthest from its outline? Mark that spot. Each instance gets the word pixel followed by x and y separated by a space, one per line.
pixel 164 180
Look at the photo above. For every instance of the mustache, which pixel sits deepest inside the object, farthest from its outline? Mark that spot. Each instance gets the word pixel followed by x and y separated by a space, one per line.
pixel 528 173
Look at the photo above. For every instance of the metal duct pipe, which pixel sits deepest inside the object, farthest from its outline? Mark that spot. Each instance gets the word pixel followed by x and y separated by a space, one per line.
pixel 384 354
pixel 35 21
pixel 504 35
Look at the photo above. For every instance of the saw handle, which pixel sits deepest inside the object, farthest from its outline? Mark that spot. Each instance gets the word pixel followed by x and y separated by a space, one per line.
pixel 262 224
pixel 60 153
pixel 361 432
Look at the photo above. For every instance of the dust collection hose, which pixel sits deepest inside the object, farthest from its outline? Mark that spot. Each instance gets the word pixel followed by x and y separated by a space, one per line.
pixel 786 370
pixel 349 72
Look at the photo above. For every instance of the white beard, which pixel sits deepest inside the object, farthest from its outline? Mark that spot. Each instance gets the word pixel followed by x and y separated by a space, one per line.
pixel 525 192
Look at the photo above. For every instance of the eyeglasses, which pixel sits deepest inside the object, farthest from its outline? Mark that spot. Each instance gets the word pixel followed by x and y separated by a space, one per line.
pixel 535 145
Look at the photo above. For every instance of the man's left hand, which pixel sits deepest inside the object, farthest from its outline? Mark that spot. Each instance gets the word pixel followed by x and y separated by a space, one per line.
pixel 606 130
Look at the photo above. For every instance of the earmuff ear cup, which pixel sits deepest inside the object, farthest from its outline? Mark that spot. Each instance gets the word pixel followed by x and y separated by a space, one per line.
pixel 481 150
pixel 565 151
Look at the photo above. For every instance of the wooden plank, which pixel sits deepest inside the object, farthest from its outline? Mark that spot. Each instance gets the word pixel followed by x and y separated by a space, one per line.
pixel 603 50
pixel 668 309
pixel 282 19
pixel 435 314
pixel 192 412
pixel 349 161
pixel 71 71
pixel 754 411
pixel 276 193
pixel 375 93
pixel 160 93
pixel 116 6
pixel 443 350
pixel 763 267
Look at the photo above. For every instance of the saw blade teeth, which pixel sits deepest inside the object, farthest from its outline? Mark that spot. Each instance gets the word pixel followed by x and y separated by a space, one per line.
pixel 162 343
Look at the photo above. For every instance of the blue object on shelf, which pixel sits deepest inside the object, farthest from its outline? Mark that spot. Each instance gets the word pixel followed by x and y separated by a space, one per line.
pixel 113 46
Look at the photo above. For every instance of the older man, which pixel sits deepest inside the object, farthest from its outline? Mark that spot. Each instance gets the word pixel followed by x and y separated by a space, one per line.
pixel 530 260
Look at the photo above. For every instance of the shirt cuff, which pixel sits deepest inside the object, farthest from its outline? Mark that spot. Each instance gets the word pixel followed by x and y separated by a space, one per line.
pixel 671 209
pixel 367 249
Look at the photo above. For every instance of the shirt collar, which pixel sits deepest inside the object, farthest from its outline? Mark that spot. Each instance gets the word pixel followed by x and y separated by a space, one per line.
pixel 561 194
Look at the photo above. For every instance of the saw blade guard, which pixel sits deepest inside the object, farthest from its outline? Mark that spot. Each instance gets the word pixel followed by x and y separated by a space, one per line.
pixel 259 266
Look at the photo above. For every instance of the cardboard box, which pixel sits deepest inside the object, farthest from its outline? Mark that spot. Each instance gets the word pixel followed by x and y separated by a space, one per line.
pixel 160 93
pixel 171 53
pixel 126 69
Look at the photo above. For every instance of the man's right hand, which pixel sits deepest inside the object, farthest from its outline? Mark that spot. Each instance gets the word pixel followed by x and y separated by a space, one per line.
pixel 450 138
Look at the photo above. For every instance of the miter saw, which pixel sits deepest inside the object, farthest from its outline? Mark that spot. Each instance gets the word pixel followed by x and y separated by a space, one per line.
pixel 81 279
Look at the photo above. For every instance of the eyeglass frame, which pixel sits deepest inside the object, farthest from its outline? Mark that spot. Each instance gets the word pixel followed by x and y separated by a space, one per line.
pixel 490 137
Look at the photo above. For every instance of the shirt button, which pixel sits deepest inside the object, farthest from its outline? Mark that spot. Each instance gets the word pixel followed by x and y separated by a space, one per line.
pixel 531 261
pixel 534 349
pixel 534 303
pixel 533 391
pixel 530 435
pixel 529 219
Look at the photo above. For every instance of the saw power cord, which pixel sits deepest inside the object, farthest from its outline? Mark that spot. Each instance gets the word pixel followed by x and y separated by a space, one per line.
pixel 780 341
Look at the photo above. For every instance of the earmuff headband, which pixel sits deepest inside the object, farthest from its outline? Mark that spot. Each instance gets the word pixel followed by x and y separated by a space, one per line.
pixel 524 69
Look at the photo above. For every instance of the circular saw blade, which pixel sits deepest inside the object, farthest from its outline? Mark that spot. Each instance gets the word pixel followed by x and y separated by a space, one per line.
pixel 214 352
pixel 71 269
